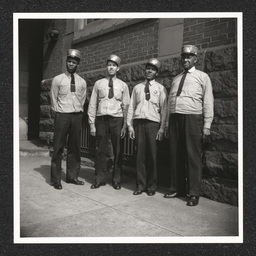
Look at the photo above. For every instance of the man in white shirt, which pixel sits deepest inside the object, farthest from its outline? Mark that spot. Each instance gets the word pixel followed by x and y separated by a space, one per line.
pixel 146 123
pixel 190 108
pixel 107 117
pixel 68 94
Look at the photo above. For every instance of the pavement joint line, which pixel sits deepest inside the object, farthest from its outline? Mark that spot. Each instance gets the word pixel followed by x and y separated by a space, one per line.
pixel 136 217
pixel 68 216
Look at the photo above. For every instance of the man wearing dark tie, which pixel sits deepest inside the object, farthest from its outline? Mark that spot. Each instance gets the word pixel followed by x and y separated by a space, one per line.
pixel 190 114
pixel 68 94
pixel 146 123
pixel 107 118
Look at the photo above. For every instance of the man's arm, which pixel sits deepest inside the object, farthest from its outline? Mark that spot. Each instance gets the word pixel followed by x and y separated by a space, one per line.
pixel 92 110
pixel 125 105
pixel 130 114
pixel 208 103
pixel 163 114
pixel 54 94
pixel 84 85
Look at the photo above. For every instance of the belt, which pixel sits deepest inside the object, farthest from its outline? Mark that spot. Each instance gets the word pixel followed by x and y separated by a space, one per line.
pixel 73 113
pixel 106 118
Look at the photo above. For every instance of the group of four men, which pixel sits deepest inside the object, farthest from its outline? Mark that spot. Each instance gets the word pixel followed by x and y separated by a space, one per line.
pixel 185 117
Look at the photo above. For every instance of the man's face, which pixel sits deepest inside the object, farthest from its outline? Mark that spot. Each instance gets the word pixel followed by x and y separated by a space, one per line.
pixel 72 64
pixel 188 61
pixel 112 68
pixel 151 72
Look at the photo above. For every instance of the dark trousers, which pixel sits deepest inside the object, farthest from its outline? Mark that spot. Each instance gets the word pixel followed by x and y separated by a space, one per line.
pixel 146 164
pixel 186 152
pixel 105 126
pixel 67 129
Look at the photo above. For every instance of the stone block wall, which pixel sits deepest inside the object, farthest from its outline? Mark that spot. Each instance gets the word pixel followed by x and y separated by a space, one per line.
pixel 220 159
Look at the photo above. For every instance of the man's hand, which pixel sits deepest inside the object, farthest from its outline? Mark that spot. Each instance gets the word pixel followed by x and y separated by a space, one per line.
pixel 93 133
pixel 166 133
pixel 123 132
pixel 159 135
pixel 206 132
pixel 131 133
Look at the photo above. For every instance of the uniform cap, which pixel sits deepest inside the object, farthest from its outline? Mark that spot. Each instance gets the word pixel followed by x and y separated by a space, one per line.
pixel 154 62
pixel 74 53
pixel 189 49
pixel 115 59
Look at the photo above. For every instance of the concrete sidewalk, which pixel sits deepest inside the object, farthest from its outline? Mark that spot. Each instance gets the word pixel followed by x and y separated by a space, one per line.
pixel 78 211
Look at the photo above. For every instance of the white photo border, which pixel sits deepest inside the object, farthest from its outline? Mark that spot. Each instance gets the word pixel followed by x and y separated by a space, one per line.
pixel 104 240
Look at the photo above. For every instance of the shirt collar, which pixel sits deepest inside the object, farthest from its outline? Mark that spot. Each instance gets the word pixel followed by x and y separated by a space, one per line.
pixel 191 70
pixel 113 78
pixel 150 82
pixel 69 74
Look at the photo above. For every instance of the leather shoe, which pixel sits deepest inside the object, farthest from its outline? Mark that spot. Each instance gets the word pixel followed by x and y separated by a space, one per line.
pixel 171 194
pixel 57 185
pixel 76 182
pixel 116 185
pixel 193 201
pixel 97 185
pixel 151 193
pixel 137 192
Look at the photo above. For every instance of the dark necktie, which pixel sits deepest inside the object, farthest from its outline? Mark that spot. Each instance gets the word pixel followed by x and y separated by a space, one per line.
pixel 181 83
pixel 147 92
pixel 110 85
pixel 72 84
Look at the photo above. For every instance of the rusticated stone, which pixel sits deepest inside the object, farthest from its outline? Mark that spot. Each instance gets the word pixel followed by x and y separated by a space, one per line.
pixel 224 145
pixel 224 132
pixel 131 85
pixel 220 60
pixel 138 72
pixel 46 111
pixel 200 64
pixel 167 81
pixel 124 74
pixel 89 92
pixel 220 190
pixel 223 165
pixel 46 125
pixel 225 111
pixel 91 78
pixel 46 85
pixel 224 83
pixel 47 137
pixel 45 98
pixel 170 68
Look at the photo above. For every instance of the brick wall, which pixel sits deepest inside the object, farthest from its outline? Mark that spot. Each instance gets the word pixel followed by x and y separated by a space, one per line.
pixel 210 32
pixel 133 43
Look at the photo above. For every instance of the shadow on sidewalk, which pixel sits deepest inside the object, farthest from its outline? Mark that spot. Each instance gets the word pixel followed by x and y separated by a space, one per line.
pixel 45 171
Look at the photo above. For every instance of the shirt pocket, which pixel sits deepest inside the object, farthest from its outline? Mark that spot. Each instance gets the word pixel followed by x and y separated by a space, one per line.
pixel 118 93
pixel 102 93
pixel 154 96
pixel 192 88
pixel 63 89
pixel 138 96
